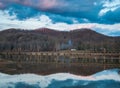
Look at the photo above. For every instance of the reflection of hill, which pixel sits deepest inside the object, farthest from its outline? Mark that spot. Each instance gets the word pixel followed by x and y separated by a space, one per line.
pixel 45 39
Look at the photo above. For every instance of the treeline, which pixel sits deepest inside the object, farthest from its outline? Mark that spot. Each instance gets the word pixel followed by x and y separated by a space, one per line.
pixel 16 40
pixel 24 40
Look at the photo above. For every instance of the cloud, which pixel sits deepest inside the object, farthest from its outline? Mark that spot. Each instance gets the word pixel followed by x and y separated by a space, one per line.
pixel 41 4
pixel 109 5
pixel 47 4
pixel 37 22
pixel 113 30
pixel 45 21
pixel 2 5
pixel 24 12
pixel 95 11
pixel 100 15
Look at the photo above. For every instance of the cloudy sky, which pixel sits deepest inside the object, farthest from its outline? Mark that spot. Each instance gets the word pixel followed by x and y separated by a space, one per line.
pixel 100 15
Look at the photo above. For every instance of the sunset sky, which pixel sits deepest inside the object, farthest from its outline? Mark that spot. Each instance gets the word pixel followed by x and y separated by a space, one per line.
pixel 100 15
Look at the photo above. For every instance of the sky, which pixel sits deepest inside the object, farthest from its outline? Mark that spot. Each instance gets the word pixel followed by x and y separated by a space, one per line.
pixel 100 15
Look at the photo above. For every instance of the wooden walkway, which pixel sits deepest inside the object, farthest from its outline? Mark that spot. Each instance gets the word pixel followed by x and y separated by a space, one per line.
pixel 74 54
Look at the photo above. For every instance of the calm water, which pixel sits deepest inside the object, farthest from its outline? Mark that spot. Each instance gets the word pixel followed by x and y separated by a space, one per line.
pixel 58 72
pixel 17 64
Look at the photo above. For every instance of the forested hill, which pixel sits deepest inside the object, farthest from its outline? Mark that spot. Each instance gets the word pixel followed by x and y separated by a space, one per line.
pixel 45 39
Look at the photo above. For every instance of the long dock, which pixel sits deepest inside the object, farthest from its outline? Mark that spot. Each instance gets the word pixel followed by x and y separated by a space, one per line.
pixel 65 53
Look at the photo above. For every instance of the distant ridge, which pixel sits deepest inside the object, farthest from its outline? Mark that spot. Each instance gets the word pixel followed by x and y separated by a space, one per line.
pixel 45 39
pixel 47 31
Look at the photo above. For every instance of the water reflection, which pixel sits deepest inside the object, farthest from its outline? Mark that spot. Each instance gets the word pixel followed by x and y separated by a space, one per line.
pixel 59 59
pixel 42 64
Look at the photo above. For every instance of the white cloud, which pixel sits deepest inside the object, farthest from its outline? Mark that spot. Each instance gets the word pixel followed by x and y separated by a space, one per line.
pixel 111 3
pixel 109 6
pixel 34 23
pixel 8 21
pixel 31 23
pixel 112 30
pixel 114 27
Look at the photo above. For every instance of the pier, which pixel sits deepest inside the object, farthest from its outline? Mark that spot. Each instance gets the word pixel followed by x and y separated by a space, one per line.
pixel 66 53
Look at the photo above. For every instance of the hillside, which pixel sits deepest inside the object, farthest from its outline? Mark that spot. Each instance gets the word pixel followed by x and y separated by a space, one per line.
pixel 45 39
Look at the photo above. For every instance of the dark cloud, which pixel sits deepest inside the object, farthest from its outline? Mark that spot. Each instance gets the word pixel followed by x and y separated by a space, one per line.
pixel 25 12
